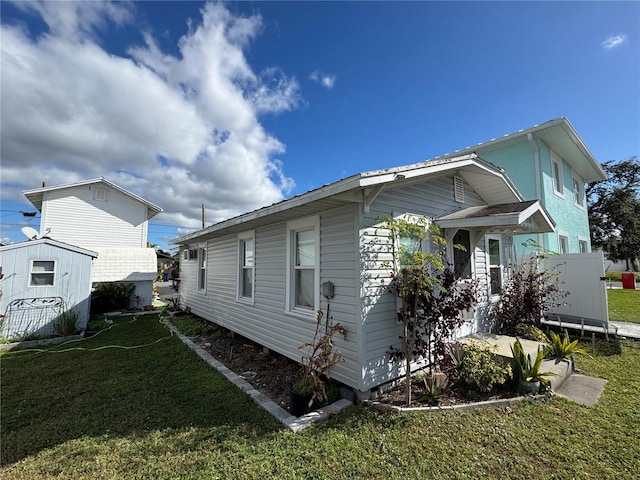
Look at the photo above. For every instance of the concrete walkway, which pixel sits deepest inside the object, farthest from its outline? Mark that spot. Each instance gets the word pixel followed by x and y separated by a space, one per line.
pixel 627 329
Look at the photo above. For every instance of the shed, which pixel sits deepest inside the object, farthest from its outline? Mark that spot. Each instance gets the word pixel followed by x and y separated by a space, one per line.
pixel 39 279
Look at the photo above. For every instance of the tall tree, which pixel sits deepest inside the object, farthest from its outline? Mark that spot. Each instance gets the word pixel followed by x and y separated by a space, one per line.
pixel 614 211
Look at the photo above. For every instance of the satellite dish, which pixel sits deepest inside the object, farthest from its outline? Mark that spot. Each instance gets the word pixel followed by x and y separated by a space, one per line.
pixel 30 233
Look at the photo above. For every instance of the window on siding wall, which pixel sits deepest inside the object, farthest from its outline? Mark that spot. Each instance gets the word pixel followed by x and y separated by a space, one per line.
pixel 202 269
pixel 563 244
pixel 246 248
pixel 42 273
pixel 407 246
pixel 494 253
pixel 556 172
pixel 578 191
pixel 304 266
pixel 462 258
pixel 583 246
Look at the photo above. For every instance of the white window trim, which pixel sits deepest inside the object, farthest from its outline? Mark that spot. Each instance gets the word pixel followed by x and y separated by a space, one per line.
pixel 200 268
pixel 566 236
pixel 586 242
pixel 308 223
pixel 555 159
pixel 488 264
pixel 578 179
pixel 242 237
pixel 31 272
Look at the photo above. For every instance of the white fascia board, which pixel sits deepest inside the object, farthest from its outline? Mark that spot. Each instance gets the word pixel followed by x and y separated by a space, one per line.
pixel 537 209
pixel 347 184
pixel 33 194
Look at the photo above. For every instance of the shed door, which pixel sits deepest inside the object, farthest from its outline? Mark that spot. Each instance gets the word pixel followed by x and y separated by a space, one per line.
pixel 583 277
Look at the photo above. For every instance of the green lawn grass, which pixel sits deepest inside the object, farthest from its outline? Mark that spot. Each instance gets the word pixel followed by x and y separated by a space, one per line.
pixel 624 305
pixel 160 412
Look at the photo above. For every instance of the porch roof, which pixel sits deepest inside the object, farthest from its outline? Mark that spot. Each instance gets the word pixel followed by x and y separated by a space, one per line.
pixel 514 218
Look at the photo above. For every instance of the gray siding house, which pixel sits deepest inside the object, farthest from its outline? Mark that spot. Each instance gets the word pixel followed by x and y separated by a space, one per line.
pixel 261 274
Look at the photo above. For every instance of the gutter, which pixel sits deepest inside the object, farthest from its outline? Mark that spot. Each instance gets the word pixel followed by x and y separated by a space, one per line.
pixel 536 161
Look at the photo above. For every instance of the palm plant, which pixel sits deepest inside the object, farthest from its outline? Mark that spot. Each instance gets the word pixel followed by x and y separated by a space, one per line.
pixel 527 370
pixel 562 347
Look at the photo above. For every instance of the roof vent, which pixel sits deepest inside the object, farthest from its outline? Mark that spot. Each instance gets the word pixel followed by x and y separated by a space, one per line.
pixel 458 189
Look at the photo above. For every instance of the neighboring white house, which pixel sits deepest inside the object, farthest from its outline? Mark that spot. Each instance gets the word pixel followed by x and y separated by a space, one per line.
pixel 261 274
pixel 101 216
pixel 39 279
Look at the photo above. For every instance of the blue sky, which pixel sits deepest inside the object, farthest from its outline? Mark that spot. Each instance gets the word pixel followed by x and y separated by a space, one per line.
pixel 239 105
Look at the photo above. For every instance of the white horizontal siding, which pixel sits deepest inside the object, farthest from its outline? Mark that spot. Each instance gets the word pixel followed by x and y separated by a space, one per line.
pixel 380 327
pixel 72 215
pixel 265 321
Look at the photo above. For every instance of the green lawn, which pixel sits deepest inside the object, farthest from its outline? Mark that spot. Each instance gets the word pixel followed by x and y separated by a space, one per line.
pixel 624 305
pixel 159 412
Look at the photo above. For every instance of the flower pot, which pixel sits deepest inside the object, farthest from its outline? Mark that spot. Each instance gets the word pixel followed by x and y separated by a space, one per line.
pixel 528 387
pixel 300 403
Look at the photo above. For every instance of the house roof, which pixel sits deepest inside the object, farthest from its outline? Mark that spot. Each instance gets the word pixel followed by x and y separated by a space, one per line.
pixel 488 181
pixel 560 135
pixel 517 217
pixel 48 241
pixel 36 195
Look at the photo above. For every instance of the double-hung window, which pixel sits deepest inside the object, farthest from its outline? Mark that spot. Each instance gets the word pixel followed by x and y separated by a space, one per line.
pixel 583 245
pixel 578 191
pixel 202 269
pixel 246 252
pixel 303 266
pixel 563 243
pixel 556 173
pixel 494 255
pixel 42 273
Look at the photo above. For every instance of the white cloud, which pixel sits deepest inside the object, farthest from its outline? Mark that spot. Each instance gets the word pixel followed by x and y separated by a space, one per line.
pixel 178 130
pixel 324 79
pixel 614 40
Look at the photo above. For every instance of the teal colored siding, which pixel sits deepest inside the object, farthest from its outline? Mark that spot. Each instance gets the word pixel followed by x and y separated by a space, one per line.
pixel 519 164
pixel 571 220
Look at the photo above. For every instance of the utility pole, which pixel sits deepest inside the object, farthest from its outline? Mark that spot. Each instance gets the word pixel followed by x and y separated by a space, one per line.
pixel 203 216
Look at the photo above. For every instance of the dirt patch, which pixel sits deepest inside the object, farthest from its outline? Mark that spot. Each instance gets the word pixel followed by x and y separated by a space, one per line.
pixel 273 374
pixel 269 372
pixel 458 394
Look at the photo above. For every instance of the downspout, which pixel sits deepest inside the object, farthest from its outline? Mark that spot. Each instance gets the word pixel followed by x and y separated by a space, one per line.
pixel 536 162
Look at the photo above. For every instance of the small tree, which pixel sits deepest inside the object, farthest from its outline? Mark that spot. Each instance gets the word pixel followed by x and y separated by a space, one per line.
pixel 432 302
pixel 528 293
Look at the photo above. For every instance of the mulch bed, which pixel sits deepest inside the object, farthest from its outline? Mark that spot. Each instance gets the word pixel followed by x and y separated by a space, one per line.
pixel 271 373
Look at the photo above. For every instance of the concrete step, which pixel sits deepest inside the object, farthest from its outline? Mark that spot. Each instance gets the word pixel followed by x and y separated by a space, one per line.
pixel 582 389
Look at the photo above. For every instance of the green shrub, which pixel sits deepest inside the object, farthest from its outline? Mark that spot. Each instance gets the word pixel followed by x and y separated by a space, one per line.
pixel 65 323
pixel 480 369
pixel 531 332
pixel 111 296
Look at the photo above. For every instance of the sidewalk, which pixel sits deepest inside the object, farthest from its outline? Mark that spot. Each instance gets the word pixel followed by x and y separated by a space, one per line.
pixel 627 329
